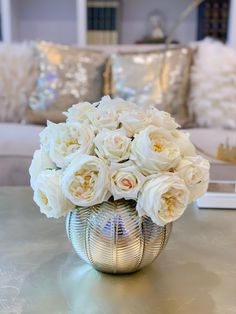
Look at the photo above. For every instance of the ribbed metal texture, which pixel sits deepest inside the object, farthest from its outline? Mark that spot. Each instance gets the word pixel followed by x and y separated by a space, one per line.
pixel 113 238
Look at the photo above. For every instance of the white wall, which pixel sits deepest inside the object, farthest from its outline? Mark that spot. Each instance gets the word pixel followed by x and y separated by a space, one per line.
pixel 56 20
pixel 47 19
pixel 134 13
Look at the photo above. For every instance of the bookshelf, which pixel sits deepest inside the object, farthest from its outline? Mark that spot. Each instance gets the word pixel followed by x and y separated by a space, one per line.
pixel 65 21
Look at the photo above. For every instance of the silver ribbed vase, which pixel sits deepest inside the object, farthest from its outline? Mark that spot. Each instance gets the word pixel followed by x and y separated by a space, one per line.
pixel 113 238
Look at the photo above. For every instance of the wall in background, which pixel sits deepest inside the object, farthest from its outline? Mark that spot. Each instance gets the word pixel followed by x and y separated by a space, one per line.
pixel 65 20
pixel 134 13
pixel 232 24
pixel 48 19
pixel 0 23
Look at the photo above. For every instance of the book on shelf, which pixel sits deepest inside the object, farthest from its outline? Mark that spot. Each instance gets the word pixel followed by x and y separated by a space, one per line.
pixel 102 20
pixel 213 19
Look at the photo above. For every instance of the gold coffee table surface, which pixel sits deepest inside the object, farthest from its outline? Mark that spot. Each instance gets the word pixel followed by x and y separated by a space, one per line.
pixel 40 273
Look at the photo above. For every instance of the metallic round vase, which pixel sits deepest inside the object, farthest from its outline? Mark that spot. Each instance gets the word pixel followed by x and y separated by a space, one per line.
pixel 113 238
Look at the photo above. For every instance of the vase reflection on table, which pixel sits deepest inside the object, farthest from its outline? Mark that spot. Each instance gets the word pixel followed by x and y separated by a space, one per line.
pixel 114 239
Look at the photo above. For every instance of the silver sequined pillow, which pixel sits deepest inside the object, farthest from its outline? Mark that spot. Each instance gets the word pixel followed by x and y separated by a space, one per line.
pixel 67 75
pixel 158 77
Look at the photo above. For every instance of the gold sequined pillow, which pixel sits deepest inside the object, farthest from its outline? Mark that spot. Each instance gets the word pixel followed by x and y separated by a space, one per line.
pixel 158 77
pixel 67 75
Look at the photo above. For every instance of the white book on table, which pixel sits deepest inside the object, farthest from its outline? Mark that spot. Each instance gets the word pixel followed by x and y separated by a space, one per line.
pixel 221 194
pixel 217 200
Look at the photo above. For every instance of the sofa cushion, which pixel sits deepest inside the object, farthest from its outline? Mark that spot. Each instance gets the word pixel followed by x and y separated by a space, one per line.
pixel 18 74
pixel 17 145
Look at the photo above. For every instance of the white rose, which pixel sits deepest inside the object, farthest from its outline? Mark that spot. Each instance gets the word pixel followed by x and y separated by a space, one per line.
pixel 68 139
pixel 182 140
pixel 163 198
pixel 153 150
pixel 162 119
pixel 134 121
pixel 107 112
pixel 46 134
pixel 86 181
pixel 112 145
pixel 40 162
pixel 80 112
pixel 102 118
pixel 48 194
pixel 195 172
pixel 117 104
pixel 126 180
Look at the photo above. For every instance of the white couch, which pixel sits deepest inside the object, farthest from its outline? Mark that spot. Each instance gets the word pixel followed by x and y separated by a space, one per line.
pixel 17 144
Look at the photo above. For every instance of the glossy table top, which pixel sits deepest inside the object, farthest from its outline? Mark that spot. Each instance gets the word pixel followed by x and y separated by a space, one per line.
pixel 40 274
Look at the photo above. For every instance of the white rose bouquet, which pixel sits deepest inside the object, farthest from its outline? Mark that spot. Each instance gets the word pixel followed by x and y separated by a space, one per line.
pixel 114 149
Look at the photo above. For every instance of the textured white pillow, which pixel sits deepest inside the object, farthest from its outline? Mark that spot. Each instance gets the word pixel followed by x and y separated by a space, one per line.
pixel 212 100
pixel 17 78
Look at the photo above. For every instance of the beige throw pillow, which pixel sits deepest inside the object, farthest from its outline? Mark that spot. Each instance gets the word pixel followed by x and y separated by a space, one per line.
pixel 17 78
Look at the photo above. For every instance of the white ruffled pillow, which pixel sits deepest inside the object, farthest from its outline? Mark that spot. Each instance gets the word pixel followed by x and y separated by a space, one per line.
pixel 212 100
pixel 18 72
